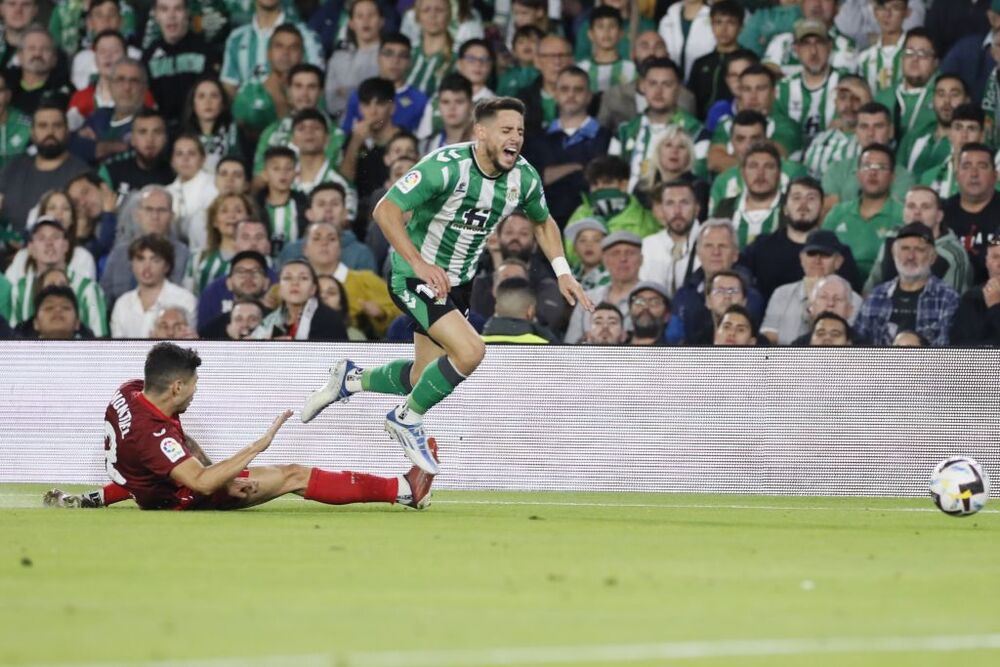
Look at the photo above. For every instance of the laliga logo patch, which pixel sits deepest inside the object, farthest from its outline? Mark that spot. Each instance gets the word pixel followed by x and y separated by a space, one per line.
pixel 171 449
pixel 408 182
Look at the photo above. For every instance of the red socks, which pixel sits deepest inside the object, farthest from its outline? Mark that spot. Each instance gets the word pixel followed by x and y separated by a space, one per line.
pixel 344 488
pixel 113 493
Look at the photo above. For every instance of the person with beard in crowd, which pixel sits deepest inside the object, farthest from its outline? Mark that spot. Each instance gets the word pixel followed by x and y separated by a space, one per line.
pixel 26 178
pixel 649 310
pixel 974 213
pixel 107 130
pixel 219 296
pixel 514 236
pixel 757 210
pixel 607 327
pixel 146 163
pixel 247 282
pixel 773 259
pixel 38 77
pixel 923 151
pixel 668 256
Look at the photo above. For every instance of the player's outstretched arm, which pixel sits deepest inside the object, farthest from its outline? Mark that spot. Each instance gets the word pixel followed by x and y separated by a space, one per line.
pixel 207 480
pixel 389 217
pixel 196 450
pixel 550 240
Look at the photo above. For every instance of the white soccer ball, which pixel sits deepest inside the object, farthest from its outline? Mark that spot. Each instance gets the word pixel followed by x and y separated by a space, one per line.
pixel 959 486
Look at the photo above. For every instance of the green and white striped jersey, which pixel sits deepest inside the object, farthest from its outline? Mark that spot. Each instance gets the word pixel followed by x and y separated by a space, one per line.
pixel 812 109
pixel 604 75
pixel 89 299
pixel 912 110
pixel 455 207
pixel 881 66
pixel 279 133
pixel 15 135
pixel 923 151
pixel 780 51
pixel 203 267
pixel 328 174
pixel 991 102
pixel 596 277
pixel 246 50
pixel 751 224
pixel 637 139
pixel 68 27
pixel 730 183
pixel 426 71
pixel 283 221
pixel 828 147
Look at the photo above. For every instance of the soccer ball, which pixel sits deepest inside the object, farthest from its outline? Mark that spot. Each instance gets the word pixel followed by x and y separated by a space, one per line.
pixel 959 486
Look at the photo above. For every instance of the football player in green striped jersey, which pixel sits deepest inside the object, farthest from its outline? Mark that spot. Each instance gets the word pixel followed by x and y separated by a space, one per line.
pixel 455 197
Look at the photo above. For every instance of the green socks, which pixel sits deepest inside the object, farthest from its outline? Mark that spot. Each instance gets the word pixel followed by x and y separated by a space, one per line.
pixel 393 378
pixel 437 382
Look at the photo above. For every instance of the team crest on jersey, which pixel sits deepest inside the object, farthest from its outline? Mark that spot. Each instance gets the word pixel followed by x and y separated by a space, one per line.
pixel 513 193
pixel 408 182
pixel 171 449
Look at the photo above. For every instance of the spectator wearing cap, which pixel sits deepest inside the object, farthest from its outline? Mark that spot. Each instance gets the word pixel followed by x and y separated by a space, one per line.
pixel 250 274
pixel 513 320
pixel 568 144
pixel 47 250
pixel 716 251
pixel 607 326
pixel 56 317
pixel 916 300
pixel 649 310
pixel 774 259
pixel 782 50
pixel 135 312
pixel 262 97
pixel 952 265
pixel 248 280
pixel 622 257
pixel 305 91
pixel 974 213
pixel 807 96
pixel 514 236
pixel 608 199
pixel 668 255
pixel 583 245
pixel 735 327
pixel 828 330
pixel 864 223
pixel 153 215
pixel 787 317
pixel 977 321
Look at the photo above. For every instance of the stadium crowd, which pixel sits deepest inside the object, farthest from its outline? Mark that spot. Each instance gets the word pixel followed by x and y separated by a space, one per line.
pixel 736 172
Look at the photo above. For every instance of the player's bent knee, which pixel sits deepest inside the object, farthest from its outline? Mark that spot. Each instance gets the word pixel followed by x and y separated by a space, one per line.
pixel 469 355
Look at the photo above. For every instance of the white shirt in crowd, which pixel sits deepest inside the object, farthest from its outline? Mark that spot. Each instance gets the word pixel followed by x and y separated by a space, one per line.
pixel 130 320
pixel 659 263
pixel 191 202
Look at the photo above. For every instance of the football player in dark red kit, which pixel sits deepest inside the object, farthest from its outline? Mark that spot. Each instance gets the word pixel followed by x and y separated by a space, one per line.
pixel 149 457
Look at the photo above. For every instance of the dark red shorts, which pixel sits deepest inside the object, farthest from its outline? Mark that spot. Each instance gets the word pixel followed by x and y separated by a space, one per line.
pixel 220 500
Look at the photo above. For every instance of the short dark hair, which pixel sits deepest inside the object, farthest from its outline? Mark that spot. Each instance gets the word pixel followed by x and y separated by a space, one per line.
pixel 193 138
pixel 807 182
pixel 969 111
pixel 515 284
pixel 923 33
pixel 306 67
pixel 830 315
pixel 575 71
pixel 757 69
pixel 168 362
pixel 146 112
pixel 977 147
pixel 323 187
pixel 728 273
pixel 606 168
pixel 104 34
pixel 279 151
pixel 737 309
pixel 870 108
pixel 952 77
pixel 231 158
pixel 309 114
pixel 607 12
pixel 396 38
pixel 49 103
pixel 89 176
pixel 607 305
pixel 62 291
pixel 749 117
pixel 938 204
pixel 156 244
pixel 288 29
pixel 474 42
pixel 528 31
pixel 656 194
pixel 376 90
pixel 879 148
pixel 765 147
pixel 651 63
pixel 741 54
pixel 729 8
pixel 456 83
pixel 488 109
pixel 98 3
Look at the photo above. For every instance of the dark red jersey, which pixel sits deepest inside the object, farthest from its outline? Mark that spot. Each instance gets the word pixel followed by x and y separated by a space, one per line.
pixel 142 445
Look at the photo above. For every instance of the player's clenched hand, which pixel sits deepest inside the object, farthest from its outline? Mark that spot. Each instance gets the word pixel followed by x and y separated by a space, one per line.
pixel 434 277
pixel 573 292
pixel 266 439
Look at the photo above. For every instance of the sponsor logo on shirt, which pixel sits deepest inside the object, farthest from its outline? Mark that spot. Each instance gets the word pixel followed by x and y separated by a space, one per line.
pixel 408 182
pixel 171 449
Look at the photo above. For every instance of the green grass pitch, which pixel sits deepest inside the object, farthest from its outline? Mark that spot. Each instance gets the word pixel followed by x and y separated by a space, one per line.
pixel 502 579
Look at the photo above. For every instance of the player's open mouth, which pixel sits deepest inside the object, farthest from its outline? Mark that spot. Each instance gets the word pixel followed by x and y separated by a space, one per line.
pixel 512 152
